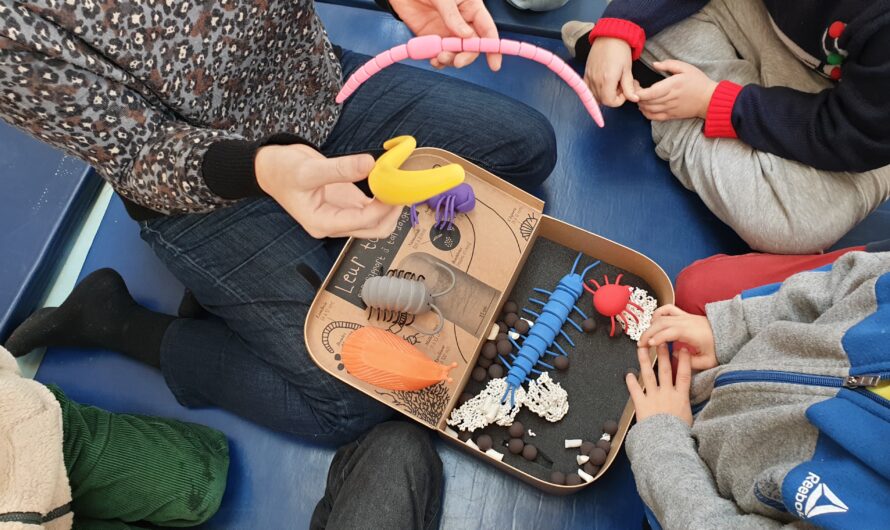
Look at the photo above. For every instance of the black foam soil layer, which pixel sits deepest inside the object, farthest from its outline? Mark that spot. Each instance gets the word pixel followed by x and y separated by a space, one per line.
pixel 594 379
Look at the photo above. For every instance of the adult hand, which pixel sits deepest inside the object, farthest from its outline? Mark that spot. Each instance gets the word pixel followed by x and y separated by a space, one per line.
pixel 450 18
pixel 672 324
pixel 608 72
pixel 320 192
pixel 685 94
pixel 661 396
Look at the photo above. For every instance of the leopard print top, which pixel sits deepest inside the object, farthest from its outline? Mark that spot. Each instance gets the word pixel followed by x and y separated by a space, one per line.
pixel 140 89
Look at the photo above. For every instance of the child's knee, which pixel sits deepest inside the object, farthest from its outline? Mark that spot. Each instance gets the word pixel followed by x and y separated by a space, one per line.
pixel 405 448
pixel 695 285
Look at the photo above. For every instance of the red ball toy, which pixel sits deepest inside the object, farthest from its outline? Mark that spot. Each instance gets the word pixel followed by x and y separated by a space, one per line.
pixel 612 300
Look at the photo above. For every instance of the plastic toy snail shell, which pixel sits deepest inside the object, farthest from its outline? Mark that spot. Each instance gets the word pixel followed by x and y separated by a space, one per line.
pixel 384 360
pixel 400 187
pixel 429 46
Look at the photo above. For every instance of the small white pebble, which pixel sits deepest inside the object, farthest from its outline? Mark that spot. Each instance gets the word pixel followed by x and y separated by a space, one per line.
pixel 472 444
pixel 450 432
pixel 585 476
pixel 493 334
pixel 513 335
pixel 530 323
pixel 531 433
pixel 582 459
pixel 573 443
pixel 606 436
pixel 494 454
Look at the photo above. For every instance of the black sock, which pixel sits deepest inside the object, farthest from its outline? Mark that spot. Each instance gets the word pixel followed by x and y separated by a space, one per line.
pixel 190 307
pixel 99 313
pixel 582 48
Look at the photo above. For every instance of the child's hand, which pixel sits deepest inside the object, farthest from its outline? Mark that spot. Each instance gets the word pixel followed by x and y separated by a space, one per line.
pixel 685 94
pixel 608 72
pixel 661 396
pixel 671 324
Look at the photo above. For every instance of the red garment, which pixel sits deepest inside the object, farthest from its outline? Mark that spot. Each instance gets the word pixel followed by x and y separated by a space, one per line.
pixel 721 277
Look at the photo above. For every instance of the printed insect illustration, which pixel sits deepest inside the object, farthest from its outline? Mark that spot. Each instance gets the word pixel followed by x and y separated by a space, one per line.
pixel 399 295
pixel 554 315
pixel 613 300
pixel 429 46
pixel 459 199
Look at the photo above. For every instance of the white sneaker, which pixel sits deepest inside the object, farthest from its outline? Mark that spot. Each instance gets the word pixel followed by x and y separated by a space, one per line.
pixel 572 31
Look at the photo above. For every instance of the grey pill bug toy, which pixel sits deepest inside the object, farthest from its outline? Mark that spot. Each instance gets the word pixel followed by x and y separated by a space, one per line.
pixel 399 293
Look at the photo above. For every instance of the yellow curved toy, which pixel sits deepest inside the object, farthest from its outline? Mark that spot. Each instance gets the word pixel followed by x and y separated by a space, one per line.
pixel 400 187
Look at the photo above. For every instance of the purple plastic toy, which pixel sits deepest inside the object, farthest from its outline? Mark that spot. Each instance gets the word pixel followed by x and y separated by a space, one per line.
pixel 459 199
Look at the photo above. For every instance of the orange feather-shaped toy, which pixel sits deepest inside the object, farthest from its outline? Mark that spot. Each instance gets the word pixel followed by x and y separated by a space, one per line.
pixel 378 357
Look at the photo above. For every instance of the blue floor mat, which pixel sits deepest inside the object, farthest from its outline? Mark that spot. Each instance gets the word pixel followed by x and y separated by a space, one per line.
pixel 608 181
pixel 43 196
pixel 508 18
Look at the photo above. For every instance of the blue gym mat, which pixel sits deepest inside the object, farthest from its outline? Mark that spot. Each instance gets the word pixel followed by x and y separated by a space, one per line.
pixel 508 18
pixel 43 195
pixel 607 181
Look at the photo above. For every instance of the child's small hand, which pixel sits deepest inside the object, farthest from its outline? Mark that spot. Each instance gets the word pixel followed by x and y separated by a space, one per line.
pixel 672 324
pixel 685 94
pixel 661 396
pixel 608 72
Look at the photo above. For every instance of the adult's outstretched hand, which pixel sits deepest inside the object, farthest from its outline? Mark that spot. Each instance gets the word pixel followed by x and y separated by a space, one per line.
pixel 320 193
pixel 450 18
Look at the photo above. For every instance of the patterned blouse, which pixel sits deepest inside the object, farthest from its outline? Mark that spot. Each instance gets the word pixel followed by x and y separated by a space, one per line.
pixel 147 91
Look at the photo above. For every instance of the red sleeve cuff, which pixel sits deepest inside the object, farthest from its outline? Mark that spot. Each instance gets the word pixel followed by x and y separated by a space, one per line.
pixel 625 30
pixel 718 122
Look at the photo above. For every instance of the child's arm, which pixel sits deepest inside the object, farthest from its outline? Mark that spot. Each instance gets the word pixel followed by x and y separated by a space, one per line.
pixel 839 129
pixel 671 478
pixel 803 297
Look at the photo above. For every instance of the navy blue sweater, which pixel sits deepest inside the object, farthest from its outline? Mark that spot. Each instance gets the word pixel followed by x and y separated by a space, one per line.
pixel 845 128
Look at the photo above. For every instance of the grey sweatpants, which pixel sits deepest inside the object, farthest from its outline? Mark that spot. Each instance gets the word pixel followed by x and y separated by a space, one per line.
pixel 774 204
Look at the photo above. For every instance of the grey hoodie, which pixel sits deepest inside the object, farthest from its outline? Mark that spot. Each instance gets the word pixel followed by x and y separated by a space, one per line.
pixel 785 431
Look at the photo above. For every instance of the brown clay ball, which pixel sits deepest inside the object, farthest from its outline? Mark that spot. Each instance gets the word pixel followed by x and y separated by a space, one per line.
pixel 490 350
pixel 484 442
pixel 604 445
pixel 586 447
pixel 597 456
pixel 466 396
pixel 495 371
pixel 479 374
pixel 463 436
pixel 504 347
pixel 515 445
pixel 573 479
pixel 517 430
pixel 558 477
pixel 510 319
pixel 501 336
pixel 589 325
pixel 611 427
pixel 591 469
pixel 511 307
pixel 502 327
pixel 561 363
pixel 529 452
pixel 521 327
pixel 484 363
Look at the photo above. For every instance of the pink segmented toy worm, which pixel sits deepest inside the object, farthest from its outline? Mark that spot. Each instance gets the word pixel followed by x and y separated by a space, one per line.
pixel 429 46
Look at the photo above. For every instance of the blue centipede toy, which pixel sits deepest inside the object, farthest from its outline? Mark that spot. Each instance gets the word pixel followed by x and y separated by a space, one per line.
pixel 548 325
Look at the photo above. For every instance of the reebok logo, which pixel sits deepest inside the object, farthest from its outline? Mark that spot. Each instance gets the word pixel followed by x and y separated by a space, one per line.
pixel 814 498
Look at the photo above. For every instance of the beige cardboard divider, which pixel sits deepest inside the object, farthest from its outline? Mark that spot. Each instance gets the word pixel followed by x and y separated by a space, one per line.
pixel 486 251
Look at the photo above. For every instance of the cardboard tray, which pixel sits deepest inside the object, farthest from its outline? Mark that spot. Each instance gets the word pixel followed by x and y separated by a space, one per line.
pixel 487 251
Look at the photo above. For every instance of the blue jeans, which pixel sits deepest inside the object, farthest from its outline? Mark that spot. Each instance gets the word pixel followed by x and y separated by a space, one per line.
pixel 256 270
